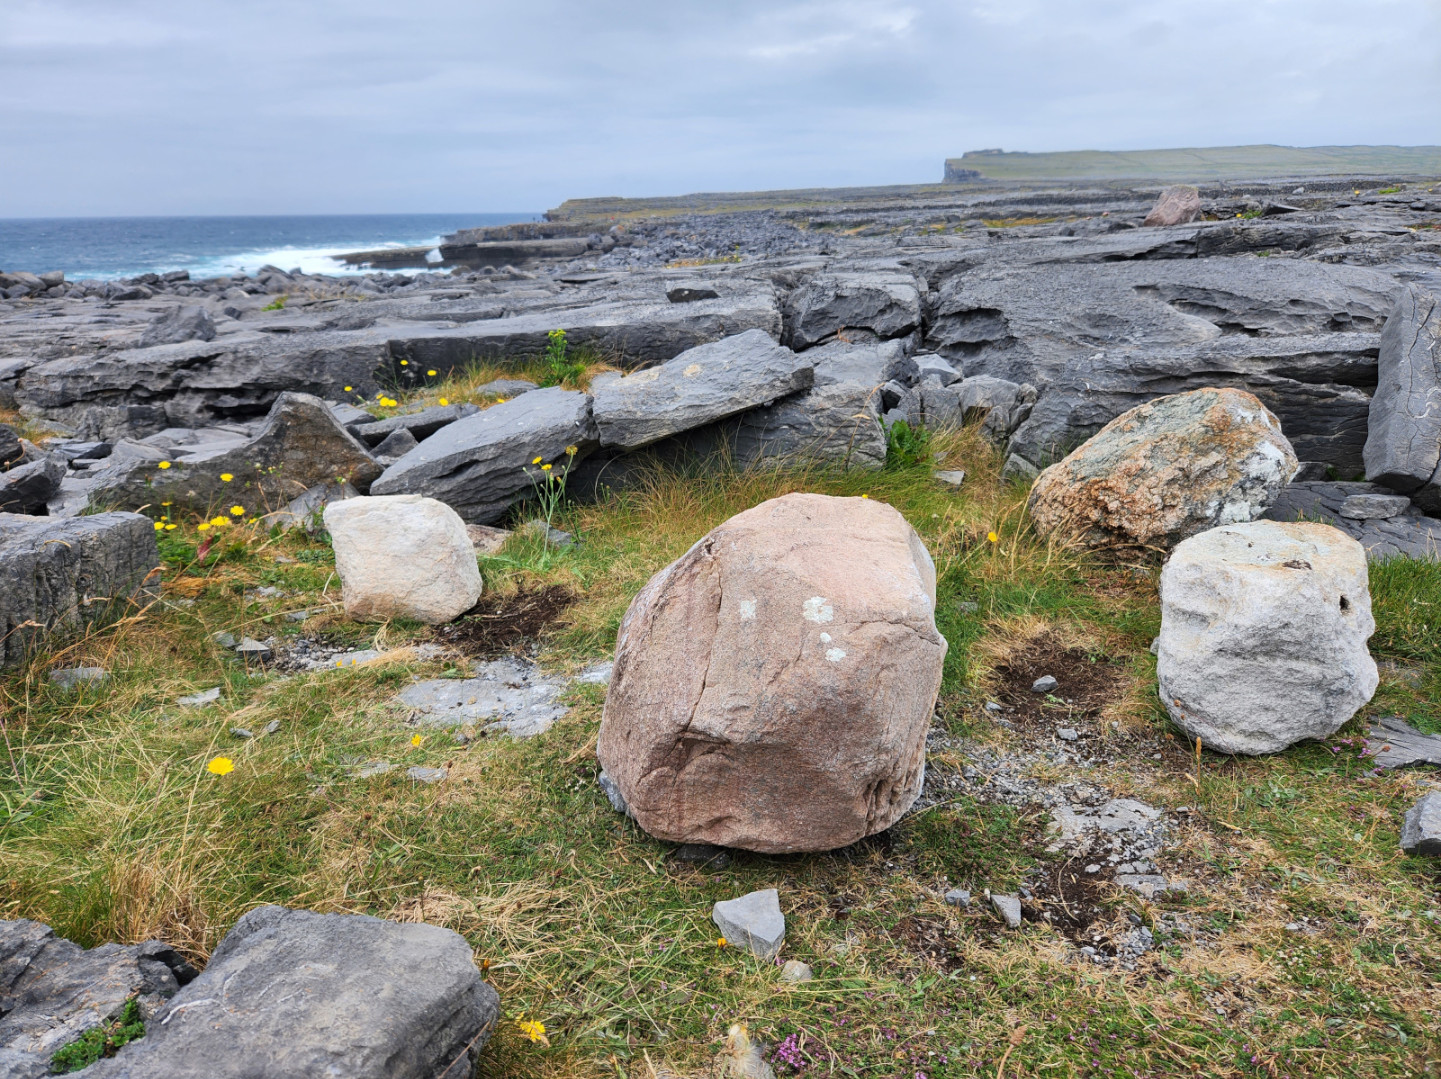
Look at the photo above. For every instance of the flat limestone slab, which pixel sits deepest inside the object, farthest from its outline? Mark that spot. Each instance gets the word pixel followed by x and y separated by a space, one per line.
pixel 506 696
pixel 753 922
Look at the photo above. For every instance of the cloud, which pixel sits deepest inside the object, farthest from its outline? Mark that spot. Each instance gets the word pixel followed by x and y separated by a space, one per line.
pixel 159 106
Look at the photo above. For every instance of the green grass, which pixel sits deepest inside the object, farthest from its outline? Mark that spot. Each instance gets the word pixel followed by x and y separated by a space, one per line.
pixel 115 830
pixel 99 1041
pixel 1205 163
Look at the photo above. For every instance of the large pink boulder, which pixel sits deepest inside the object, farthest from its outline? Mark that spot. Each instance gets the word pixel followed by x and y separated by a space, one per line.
pixel 773 687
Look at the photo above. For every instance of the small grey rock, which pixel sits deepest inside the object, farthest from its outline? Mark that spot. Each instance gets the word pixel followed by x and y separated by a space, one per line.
pixel 225 640
pixel 1045 684
pixel 253 651
pixel 1068 734
pixel 242 732
pixel 612 794
pixel 993 707
pixel 1093 868
pixel 72 677
pixel 272 727
pixel 950 477
pixel 1421 830
pixel 753 922
pixel 1148 884
pixel 199 700
pixel 958 897
pixel 372 768
pixel 421 774
pixel 1009 908
pixel 795 971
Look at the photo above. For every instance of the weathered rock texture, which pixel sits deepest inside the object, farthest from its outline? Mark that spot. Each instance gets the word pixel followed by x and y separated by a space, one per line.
pixel 1179 204
pixel 482 465
pixel 700 386
pixel 1421 830
pixel 402 556
pixel 69 572
pixel 301 446
pixel 52 990
pixel 1167 470
pixel 1403 442
pixel 1263 635
pixel 1407 533
pixel 774 686
pixel 311 996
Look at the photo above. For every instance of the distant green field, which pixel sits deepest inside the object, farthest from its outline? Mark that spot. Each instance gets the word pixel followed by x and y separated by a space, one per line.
pixel 1210 163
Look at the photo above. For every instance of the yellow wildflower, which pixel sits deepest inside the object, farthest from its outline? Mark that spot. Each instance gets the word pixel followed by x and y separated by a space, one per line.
pixel 537 461
pixel 443 401
pixel 500 400
pixel 158 526
pixel 237 511
pixel 545 468
pixel 218 521
pixel 226 477
pixel 163 464
pixel 165 503
pixel 993 537
pixel 571 451
pixel 220 766
pixel 171 528
pixel 202 526
pixel 721 942
pixel 430 373
pixel 415 740
pixel 533 1029
pixel 347 389
pixel 865 496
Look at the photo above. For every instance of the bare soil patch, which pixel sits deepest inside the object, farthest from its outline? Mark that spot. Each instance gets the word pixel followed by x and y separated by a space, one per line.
pixel 1086 684
pixel 504 624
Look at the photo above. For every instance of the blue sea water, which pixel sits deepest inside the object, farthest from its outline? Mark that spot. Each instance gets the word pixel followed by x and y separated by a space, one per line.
pixel 105 248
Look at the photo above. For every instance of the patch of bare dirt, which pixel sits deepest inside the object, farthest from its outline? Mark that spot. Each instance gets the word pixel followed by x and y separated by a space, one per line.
pixel 1085 685
pixel 504 624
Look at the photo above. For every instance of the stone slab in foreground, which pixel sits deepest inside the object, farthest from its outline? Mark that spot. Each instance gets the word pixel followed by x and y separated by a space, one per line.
pixel 67 572
pixel 299 995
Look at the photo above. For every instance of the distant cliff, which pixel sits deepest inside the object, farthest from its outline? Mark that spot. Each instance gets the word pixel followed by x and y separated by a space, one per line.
pixel 1208 163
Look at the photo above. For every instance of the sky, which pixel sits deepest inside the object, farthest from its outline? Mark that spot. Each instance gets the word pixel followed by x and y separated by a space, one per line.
pixel 376 106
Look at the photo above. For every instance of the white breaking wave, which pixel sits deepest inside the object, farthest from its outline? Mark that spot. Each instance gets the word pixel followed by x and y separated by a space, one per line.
pixel 310 260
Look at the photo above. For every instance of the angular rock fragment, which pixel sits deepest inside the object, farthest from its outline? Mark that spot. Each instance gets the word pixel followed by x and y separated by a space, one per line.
pixel 300 446
pixel 402 556
pixel 1167 470
pixel 753 922
pixel 735 663
pixel 1403 440
pixel 68 572
pixel 1263 635
pixel 836 424
pixel 700 386
pixel 27 488
pixel 54 991
pixel 1421 830
pixel 1408 533
pixel 315 995
pixel 421 424
pixel 482 465
pixel 888 304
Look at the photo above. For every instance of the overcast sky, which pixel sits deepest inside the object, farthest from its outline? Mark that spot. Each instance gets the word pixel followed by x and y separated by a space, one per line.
pixel 355 106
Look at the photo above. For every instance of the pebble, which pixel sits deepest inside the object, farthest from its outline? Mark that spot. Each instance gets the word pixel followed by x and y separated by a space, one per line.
pixel 252 650
pixel 1068 734
pixel 272 726
pixel 1009 908
pixel 1045 684
pixel 241 732
pixel 796 971
pixel 1093 868
pixel 950 477
pixel 421 774
pixel 199 700
pixel 225 640
pixel 372 768
pixel 71 677
pixel 993 707
pixel 958 897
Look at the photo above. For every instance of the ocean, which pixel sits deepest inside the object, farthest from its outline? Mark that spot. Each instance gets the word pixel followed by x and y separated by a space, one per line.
pixel 105 248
